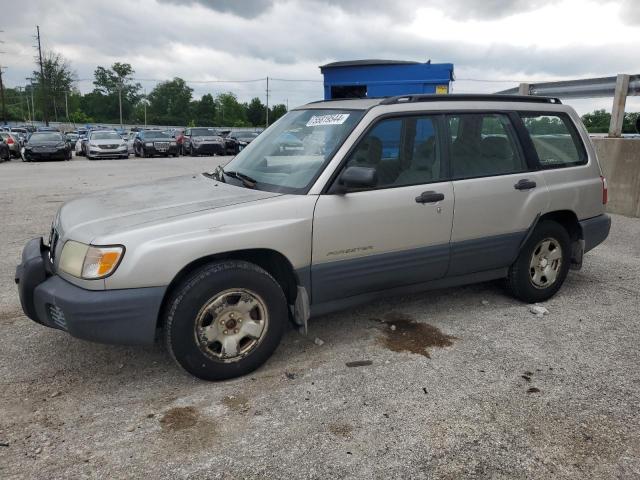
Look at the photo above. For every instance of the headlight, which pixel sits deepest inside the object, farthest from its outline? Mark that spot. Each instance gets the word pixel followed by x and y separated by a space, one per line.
pixel 148 144
pixel 88 261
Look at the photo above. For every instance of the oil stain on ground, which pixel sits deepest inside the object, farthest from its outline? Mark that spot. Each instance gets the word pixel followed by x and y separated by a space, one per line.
pixel 403 334
pixel 341 429
pixel 179 418
pixel 186 430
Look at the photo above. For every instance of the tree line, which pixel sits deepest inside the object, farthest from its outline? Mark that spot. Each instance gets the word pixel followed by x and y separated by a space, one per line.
pixel 169 103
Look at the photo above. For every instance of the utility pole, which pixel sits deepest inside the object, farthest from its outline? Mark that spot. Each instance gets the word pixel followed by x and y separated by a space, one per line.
pixel 4 109
pixel 33 105
pixel 145 108
pixel 22 103
pixel 66 105
pixel 28 109
pixel 120 99
pixel 44 81
pixel 267 122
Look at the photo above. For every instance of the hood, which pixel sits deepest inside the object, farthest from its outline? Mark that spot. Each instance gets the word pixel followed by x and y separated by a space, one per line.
pixel 117 210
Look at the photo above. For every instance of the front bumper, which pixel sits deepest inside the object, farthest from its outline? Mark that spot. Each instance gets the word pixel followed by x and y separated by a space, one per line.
pixel 171 150
pixel 40 155
pixel 102 153
pixel 210 148
pixel 126 317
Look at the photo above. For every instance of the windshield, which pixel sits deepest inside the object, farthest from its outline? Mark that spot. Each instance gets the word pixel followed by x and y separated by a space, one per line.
pixel 46 137
pixel 105 136
pixel 290 154
pixel 149 134
pixel 203 132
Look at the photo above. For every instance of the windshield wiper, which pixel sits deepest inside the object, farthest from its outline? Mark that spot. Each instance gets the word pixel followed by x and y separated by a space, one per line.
pixel 246 180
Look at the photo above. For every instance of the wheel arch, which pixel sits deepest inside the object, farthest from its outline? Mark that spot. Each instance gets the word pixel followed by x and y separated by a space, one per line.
pixel 272 261
pixel 568 219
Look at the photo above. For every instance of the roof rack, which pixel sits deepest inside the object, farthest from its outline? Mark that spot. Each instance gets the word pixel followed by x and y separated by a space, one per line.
pixel 468 97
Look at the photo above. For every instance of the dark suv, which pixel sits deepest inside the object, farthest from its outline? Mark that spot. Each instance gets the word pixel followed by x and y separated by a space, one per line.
pixel 198 141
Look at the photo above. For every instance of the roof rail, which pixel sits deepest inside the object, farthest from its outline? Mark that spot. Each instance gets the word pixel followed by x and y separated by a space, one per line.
pixel 468 97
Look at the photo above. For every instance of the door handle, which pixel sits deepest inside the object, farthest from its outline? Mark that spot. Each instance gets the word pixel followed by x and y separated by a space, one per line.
pixel 429 197
pixel 525 184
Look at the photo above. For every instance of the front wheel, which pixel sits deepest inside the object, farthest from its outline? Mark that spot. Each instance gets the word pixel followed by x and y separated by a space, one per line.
pixel 225 320
pixel 543 263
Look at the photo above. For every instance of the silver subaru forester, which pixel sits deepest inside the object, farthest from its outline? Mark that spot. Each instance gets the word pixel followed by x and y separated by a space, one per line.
pixel 337 203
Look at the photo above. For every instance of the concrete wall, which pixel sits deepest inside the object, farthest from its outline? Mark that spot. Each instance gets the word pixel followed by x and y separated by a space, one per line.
pixel 620 162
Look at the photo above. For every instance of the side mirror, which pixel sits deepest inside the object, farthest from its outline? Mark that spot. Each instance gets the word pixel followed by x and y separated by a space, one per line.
pixel 358 177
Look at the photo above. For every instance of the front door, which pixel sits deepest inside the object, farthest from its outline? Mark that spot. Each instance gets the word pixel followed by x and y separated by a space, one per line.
pixel 395 233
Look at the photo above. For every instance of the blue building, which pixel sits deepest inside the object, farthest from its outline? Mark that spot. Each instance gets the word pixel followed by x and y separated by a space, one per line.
pixel 382 78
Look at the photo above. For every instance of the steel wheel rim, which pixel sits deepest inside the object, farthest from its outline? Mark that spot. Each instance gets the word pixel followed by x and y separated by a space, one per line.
pixel 231 325
pixel 545 263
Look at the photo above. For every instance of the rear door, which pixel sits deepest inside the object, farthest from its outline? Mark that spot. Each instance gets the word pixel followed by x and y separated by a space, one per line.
pixel 498 191
pixel 396 233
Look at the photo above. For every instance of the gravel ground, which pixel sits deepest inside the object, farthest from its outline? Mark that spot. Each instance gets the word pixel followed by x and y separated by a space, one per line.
pixel 456 383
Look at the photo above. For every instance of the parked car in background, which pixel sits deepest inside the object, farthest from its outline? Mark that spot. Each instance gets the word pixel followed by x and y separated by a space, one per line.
pixel 22 133
pixel 5 152
pixel 130 138
pixel 105 144
pixel 149 143
pixel 12 140
pixel 79 146
pixel 243 138
pixel 202 140
pixel 231 144
pixel 46 145
pixel 47 129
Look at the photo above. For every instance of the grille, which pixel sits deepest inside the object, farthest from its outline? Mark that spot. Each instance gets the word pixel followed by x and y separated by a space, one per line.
pixel 161 144
pixel 108 147
pixel 56 315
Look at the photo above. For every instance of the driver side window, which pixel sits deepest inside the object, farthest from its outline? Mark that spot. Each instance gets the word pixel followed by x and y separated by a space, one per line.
pixel 403 150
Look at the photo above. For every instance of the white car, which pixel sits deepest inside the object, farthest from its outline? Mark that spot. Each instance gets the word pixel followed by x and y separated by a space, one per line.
pixel 105 144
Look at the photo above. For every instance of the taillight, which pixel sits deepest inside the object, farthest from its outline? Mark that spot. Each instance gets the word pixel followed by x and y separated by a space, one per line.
pixel 9 141
pixel 605 190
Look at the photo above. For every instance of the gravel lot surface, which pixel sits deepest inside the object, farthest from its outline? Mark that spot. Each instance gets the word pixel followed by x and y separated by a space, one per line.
pixel 456 383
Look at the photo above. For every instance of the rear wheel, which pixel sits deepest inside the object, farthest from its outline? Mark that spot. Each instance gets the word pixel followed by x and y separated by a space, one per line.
pixel 543 263
pixel 225 320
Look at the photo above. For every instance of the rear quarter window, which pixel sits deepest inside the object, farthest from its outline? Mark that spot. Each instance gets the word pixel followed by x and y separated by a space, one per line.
pixel 555 140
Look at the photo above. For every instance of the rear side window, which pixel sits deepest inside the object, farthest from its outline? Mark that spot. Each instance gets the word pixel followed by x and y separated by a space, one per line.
pixel 483 145
pixel 555 140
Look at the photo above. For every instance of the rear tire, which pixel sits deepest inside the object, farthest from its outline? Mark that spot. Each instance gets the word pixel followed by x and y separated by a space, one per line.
pixel 200 326
pixel 542 265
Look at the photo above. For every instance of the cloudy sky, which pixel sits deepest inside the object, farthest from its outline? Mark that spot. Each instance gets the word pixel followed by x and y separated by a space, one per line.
pixel 493 43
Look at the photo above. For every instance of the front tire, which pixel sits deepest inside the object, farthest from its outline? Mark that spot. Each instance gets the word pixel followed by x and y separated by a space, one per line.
pixel 542 265
pixel 225 320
